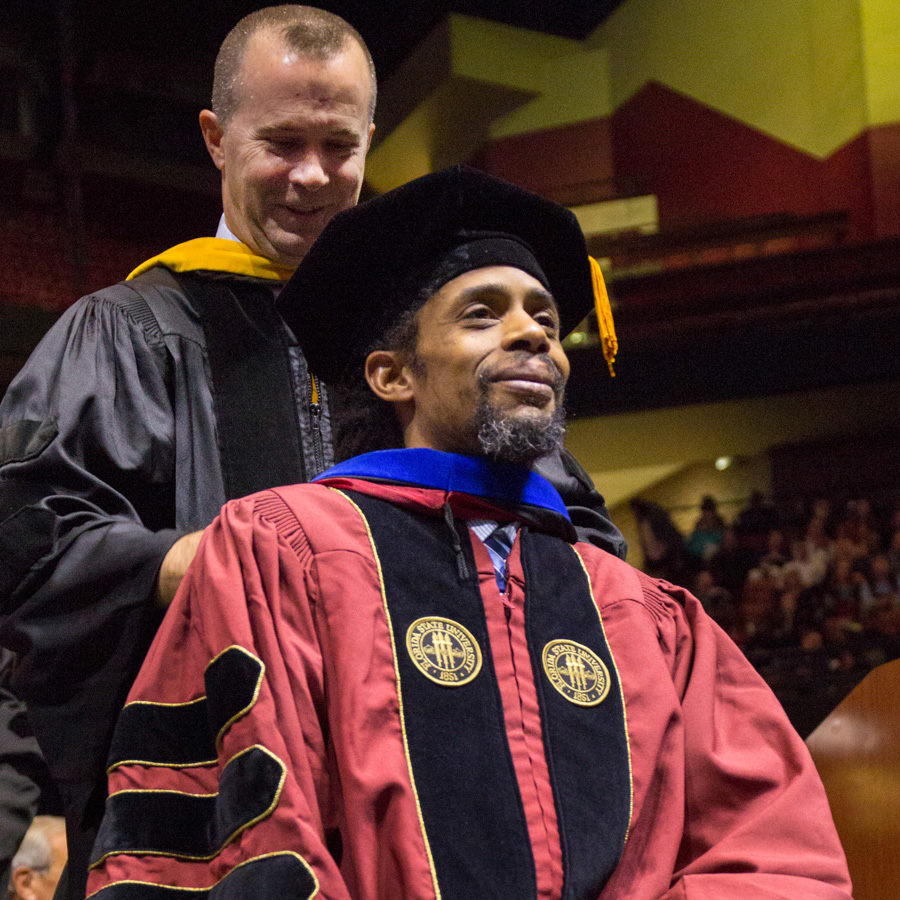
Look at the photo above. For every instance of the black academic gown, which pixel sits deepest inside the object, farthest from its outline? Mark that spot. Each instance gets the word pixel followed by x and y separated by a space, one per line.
pixel 108 454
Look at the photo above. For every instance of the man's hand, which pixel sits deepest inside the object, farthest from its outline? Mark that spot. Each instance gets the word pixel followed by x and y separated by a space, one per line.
pixel 174 565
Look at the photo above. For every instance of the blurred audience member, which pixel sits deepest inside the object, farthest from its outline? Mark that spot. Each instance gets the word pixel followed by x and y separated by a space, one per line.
pixel 754 523
pixel 731 563
pixel 661 542
pixel 760 613
pixel 775 558
pixel 854 539
pixel 844 584
pixel 39 861
pixel 717 601
pixel 880 587
pixel 810 566
pixel 861 517
pixel 818 544
pixel 706 538
pixel 792 588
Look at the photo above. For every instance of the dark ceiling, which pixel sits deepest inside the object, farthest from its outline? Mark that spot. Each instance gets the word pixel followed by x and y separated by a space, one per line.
pixel 391 27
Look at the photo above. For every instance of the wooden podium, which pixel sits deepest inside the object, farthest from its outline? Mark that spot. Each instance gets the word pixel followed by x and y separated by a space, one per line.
pixel 857 752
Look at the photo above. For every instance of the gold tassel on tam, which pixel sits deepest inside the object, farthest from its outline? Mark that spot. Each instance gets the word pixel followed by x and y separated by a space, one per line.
pixel 608 340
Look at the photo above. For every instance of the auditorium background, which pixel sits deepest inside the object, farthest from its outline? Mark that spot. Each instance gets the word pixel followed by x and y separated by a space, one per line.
pixel 735 167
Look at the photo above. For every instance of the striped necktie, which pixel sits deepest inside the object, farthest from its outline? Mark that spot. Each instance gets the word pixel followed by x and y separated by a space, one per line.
pixel 499 543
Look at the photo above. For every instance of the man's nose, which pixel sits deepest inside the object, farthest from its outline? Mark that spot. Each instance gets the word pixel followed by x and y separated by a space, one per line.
pixel 308 172
pixel 523 332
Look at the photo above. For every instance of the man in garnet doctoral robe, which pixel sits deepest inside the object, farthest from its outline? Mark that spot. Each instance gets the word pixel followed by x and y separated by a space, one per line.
pixel 409 679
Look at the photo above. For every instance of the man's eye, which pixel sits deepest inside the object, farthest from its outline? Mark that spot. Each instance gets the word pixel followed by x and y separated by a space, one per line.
pixel 282 145
pixel 479 312
pixel 547 320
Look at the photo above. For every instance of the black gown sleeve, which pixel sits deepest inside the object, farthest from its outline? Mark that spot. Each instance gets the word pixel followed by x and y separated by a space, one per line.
pixel 86 506
pixel 585 504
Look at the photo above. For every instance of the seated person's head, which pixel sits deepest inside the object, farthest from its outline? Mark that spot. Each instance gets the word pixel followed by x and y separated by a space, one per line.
pixel 39 861
pixel 436 315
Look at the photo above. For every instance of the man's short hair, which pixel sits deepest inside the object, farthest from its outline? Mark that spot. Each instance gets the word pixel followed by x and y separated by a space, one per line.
pixel 310 32
pixel 35 852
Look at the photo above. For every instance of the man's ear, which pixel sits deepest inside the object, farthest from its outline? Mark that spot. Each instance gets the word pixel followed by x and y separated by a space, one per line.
pixel 389 376
pixel 213 133
pixel 21 882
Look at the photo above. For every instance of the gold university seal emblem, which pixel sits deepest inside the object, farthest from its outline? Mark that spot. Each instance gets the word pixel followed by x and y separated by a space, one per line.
pixel 443 651
pixel 576 672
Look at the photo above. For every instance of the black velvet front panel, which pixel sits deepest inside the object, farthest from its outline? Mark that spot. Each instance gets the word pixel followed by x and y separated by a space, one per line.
pixel 587 747
pixel 279 877
pixel 457 737
pixel 188 825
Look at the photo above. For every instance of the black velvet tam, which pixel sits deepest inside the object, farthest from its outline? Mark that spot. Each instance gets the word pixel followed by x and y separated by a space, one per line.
pixel 374 261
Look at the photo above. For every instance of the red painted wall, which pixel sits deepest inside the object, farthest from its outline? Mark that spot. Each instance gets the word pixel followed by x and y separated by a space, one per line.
pixel 884 149
pixel 704 166
pixel 556 161
pixel 38 271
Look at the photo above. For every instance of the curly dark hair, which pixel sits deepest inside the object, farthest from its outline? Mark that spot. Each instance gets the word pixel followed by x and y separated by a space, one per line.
pixel 360 421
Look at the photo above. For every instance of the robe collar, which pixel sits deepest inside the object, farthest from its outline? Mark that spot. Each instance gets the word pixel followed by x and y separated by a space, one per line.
pixel 453 473
pixel 215 254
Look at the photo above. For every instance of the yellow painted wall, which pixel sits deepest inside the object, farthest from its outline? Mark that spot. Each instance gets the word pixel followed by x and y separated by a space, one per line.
pixel 689 434
pixel 791 68
pixel 569 78
pixel 445 128
pixel 812 73
pixel 472 81
pixel 881 41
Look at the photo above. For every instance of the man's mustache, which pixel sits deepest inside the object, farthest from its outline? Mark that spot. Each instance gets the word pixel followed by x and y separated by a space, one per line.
pixel 526 360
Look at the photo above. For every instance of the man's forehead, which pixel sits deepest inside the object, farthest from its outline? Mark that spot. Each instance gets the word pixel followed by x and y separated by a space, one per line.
pixel 269 44
pixel 500 280
pixel 267 54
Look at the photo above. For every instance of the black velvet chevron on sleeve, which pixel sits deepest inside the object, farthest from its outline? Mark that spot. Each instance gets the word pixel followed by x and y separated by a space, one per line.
pixel 191 826
pixel 186 734
pixel 281 876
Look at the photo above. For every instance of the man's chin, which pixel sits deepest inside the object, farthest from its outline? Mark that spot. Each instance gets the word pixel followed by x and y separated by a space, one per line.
pixel 289 250
pixel 543 412
pixel 519 436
